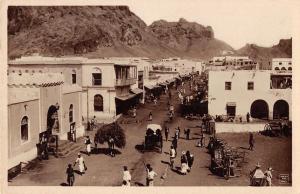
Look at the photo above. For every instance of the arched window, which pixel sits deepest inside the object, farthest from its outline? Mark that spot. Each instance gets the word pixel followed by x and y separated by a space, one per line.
pixel 98 103
pixel 97 77
pixel 24 129
pixel 290 69
pixel 71 113
pixel 283 68
pixel 277 68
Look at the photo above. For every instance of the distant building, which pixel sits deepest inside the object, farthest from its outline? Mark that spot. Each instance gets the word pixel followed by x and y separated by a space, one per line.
pixel 232 63
pixel 264 94
pixel 282 64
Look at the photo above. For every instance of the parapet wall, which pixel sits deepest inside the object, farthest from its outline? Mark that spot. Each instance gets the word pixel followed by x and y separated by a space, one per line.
pixel 239 127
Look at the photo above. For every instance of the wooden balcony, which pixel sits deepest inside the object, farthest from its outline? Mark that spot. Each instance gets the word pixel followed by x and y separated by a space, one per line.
pixel 125 82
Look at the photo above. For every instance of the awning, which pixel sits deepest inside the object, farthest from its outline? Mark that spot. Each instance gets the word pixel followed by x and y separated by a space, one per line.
pixel 231 104
pixel 150 87
pixel 126 97
pixel 163 84
pixel 137 91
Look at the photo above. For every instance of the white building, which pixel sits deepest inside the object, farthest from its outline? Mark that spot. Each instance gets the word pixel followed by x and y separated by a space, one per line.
pixel 39 103
pixel 282 64
pixel 231 63
pixel 264 94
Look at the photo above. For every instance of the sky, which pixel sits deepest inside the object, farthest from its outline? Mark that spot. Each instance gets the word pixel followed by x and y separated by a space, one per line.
pixel 237 22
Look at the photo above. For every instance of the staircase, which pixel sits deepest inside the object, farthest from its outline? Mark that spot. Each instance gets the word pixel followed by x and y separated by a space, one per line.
pixel 66 148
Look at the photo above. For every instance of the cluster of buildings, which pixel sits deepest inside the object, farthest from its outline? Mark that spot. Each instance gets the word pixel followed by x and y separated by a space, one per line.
pixel 57 95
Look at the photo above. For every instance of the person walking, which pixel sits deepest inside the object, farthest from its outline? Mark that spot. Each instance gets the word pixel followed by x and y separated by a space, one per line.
pixel 166 133
pixel 126 176
pixel 190 160
pixel 202 138
pixel 88 144
pixel 170 116
pixel 174 144
pixel 147 167
pixel 184 166
pixel 81 164
pixel 187 134
pixel 151 175
pixel 172 156
pixel 93 123
pixel 111 145
pixel 269 176
pixel 96 143
pixel 155 101
pixel 178 131
pixel 134 112
pixel 251 141
pixel 70 175
pixel 150 116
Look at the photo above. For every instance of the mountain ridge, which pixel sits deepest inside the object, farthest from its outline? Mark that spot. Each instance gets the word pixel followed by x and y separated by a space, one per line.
pixel 110 31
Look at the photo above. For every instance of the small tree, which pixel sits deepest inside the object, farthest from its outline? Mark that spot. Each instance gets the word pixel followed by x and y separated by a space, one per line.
pixel 113 130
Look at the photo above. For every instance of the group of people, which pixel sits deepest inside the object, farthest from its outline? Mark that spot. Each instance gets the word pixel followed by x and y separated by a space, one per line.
pixel 187 160
pixel 70 171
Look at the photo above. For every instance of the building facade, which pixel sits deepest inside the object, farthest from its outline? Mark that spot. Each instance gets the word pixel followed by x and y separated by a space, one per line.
pixel 236 93
pixel 39 103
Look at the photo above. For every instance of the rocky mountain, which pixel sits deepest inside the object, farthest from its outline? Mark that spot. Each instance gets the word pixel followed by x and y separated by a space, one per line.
pixel 264 55
pixel 105 31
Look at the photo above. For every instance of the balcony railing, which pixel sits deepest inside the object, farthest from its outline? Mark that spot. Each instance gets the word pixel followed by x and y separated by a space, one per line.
pixel 125 82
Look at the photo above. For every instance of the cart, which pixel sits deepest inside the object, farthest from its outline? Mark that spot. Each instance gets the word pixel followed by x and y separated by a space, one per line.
pixel 153 138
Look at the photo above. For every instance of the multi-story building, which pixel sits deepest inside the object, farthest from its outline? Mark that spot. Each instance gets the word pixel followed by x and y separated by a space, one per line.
pixel 263 94
pixel 103 84
pixel 282 64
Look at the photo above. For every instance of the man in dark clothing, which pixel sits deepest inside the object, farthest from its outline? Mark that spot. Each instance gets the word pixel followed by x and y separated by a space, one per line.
pixel 166 133
pixel 251 141
pixel 70 175
pixel 174 143
pixel 190 160
pixel 248 117
pixel 187 133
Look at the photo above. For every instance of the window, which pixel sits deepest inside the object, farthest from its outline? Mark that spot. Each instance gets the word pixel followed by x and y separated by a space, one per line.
pixel 283 69
pixel 24 129
pixel 290 63
pixel 280 63
pixel 97 79
pixel 227 85
pixel 290 69
pixel 98 103
pixel 250 85
pixel 71 113
pixel 73 77
pixel 277 68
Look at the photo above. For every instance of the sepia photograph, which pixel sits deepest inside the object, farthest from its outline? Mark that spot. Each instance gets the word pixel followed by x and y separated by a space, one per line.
pixel 142 93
